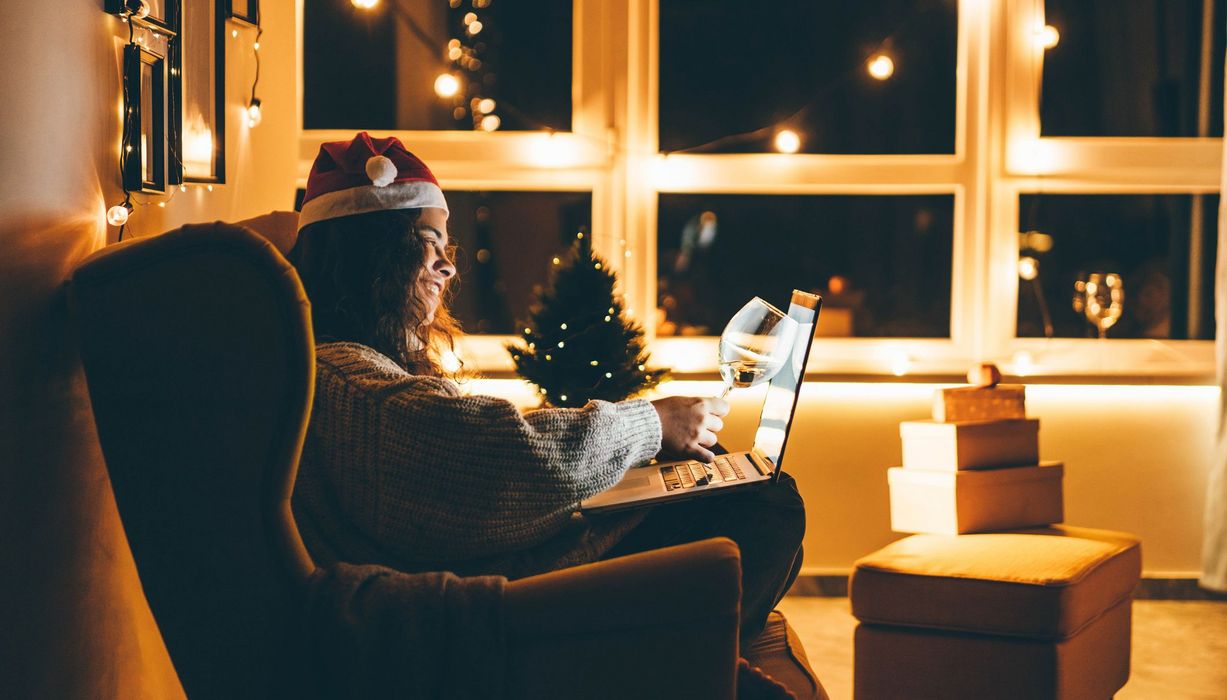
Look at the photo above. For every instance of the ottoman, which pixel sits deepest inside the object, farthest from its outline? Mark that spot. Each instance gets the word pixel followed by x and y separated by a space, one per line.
pixel 1036 613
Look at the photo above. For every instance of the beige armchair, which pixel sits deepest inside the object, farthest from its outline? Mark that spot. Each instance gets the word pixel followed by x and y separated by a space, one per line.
pixel 198 353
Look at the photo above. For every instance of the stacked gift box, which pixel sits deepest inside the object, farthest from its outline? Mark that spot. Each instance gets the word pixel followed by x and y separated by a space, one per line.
pixel 975 466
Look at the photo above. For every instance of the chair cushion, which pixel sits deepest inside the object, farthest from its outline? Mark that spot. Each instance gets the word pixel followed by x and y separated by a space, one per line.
pixel 1045 583
pixel 778 653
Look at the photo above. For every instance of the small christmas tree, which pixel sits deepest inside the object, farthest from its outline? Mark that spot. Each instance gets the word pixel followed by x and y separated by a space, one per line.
pixel 578 345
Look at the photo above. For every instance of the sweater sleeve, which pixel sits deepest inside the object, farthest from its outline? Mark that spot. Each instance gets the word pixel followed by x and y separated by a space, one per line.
pixel 462 476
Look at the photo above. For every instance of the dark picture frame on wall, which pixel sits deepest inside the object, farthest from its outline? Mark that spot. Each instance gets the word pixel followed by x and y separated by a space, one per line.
pixel 202 125
pixel 163 14
pixel 145 127
pixel 245 11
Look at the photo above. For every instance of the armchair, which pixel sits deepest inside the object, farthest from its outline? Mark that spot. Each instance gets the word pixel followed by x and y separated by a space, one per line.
pixel 200 362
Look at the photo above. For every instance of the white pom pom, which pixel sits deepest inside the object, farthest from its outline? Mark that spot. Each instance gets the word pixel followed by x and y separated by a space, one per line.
pixel 381 170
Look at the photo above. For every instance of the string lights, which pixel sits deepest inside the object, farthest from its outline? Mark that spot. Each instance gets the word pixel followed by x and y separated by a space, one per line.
pixel 255 113
pixel 881 67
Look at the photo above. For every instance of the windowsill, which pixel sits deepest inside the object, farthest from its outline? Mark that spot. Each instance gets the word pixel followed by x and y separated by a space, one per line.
pixel 940 361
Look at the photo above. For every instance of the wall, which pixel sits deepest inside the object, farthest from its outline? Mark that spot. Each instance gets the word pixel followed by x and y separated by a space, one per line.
pixel 75 622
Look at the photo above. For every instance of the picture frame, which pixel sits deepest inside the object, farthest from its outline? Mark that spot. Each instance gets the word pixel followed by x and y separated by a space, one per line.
pixel 202 110
pixel 244 11
pixel 163 14
pixel 145 126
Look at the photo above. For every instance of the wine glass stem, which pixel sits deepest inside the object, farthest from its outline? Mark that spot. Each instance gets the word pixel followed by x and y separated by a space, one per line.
pixel 728 386
pixel 1103 332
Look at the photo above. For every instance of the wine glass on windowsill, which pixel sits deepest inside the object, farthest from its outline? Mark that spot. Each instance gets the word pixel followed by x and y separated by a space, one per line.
pixel 1102 299
pixel 755 345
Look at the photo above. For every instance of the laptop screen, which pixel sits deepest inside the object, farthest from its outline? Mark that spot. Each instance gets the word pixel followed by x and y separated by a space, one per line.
pixel 782 392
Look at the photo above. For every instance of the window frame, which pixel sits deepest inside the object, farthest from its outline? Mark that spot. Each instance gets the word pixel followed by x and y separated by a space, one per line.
pixel 612 151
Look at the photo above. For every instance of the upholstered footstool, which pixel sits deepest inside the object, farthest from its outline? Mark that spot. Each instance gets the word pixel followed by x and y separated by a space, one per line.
pixel 1037 613
pixel 779 654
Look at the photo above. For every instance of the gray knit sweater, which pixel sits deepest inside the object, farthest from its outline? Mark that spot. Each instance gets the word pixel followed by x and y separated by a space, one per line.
pixel 406 471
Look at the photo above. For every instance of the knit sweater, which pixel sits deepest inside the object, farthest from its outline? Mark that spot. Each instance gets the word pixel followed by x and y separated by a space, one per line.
pixel 406 471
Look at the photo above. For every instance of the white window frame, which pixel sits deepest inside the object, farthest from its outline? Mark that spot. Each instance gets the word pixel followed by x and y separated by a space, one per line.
pixel 612 151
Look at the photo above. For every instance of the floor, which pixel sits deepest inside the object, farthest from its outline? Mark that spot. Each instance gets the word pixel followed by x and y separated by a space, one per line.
pixel 1179 647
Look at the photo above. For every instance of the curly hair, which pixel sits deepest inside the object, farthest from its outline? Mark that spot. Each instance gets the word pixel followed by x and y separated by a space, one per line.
pixel 360 273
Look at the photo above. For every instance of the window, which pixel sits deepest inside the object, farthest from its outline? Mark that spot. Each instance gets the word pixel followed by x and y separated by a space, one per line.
pixel 933 145
pixel 507 65
pixel 506 242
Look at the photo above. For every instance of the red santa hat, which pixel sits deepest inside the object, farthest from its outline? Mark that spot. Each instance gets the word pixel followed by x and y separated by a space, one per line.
pixel 366 174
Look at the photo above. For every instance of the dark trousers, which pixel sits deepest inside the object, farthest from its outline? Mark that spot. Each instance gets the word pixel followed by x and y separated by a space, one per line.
pixel 767 523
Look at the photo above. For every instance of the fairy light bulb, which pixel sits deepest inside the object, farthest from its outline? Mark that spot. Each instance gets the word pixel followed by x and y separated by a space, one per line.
pixel 1047 37
pixel 881 67
pixel 787 141
pixel 118 214
pixel 486 105
pixel 491 122
pixel 446 85
pixel 365 4
pixel 254 113
pixel 1028 268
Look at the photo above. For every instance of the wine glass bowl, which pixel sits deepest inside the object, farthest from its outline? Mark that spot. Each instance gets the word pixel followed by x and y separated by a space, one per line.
pixel 755 344
pixel 1103 299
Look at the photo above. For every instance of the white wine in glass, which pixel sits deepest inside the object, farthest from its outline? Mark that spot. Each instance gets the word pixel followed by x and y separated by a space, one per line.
pixel 755 344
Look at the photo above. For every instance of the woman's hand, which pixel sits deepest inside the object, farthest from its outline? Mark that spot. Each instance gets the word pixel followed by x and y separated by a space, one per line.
pixel 688 425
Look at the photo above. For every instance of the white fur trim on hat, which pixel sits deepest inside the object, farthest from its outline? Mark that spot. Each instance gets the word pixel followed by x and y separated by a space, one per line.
pixel 381 170
pixel 416 194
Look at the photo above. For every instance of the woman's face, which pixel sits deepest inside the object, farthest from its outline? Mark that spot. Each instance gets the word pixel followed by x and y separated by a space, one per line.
pixel 437 268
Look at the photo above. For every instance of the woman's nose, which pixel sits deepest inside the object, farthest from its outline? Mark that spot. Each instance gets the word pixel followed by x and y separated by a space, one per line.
pixel 445 267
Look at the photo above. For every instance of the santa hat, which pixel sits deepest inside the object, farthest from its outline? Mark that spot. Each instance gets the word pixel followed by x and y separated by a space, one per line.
pixel 364 175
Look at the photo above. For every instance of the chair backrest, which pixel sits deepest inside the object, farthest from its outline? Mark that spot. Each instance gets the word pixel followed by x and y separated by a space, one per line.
pixel 200 362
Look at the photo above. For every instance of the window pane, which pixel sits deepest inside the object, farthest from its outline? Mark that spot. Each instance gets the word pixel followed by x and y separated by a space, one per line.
pixel 732 73
pixel 376 69
pixel 1162 247
pixel 1133 68
pixel 507 242
pixel 882 263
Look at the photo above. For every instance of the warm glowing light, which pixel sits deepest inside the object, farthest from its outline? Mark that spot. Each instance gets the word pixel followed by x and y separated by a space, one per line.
pixel 469 18
pixel 1047 36
pixel 1033 156
pixel 454 53
pixel 1022 364
pixel 446 85
pixel 881 67
pixel 900 362
pixel 234 33
pixel 198 148
pixel 486 105
pixel 787 141
pixel 118 214
pixel 474 28
pixel 1038 241
pixel 254 114
pixel 552 151
pixel 491 122
pixel 450 361
pixel 365 4
pixel 1028 267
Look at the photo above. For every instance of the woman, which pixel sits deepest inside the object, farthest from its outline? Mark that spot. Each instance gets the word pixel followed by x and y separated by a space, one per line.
pixel 401 468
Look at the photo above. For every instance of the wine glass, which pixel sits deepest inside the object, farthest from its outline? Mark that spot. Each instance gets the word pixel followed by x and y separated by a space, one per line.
pixel 1103 299
pixel 755 344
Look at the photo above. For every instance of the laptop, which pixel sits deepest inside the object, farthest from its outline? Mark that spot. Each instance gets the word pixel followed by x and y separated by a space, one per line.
pixel 665 482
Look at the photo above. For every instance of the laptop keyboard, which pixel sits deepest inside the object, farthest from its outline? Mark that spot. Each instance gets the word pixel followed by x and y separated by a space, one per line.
pixel 691 474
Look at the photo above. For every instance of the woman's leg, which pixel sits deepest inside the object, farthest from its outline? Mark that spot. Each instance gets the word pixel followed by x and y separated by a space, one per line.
pixel 767 523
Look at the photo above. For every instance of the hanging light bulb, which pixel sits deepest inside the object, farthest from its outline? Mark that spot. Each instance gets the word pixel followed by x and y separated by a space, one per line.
pixel 1028 267
pixel 1047 36
pixel 881 67
pixel 365 4
pixel 254 114
pixel 446 85
pixel 787 141
pixel 118 214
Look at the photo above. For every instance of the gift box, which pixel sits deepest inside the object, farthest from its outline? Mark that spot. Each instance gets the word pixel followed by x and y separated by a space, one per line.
pixel 957 502
pixel 970 445
pixel 967 403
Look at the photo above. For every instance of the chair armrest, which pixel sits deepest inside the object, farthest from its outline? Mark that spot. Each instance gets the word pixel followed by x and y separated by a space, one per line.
pixel 656 624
